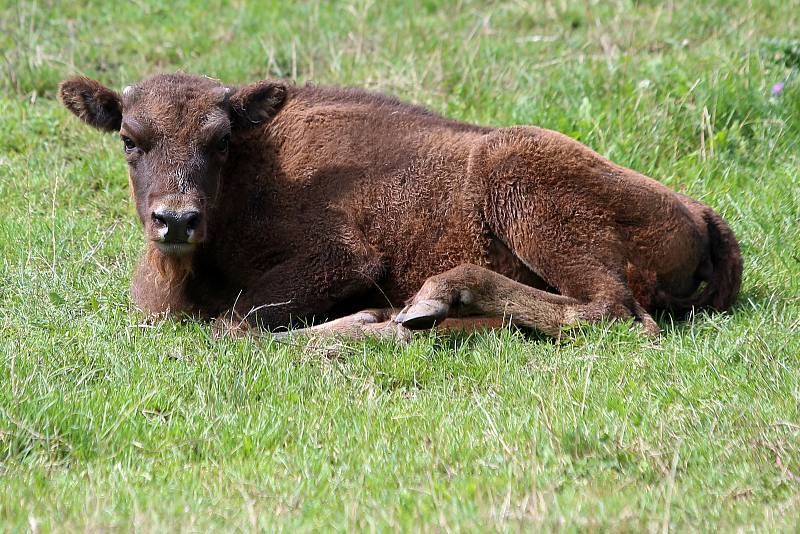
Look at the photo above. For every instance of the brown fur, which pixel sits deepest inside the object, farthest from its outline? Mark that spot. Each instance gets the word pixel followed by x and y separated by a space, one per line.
pixel 331 200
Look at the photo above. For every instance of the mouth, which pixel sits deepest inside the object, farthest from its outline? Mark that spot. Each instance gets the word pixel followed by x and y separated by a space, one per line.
pixel 174 249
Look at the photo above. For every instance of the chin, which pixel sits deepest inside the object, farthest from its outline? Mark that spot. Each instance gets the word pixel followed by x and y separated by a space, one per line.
pixel 171 261
pixel 176 250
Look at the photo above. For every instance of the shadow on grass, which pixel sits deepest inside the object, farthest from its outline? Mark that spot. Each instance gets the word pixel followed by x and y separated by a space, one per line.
pixel 750 301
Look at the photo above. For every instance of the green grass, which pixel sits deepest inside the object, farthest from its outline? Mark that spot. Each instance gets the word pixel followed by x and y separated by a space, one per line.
pixel 107 423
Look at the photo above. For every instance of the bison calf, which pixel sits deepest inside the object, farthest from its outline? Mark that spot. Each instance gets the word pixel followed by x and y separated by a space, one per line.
pixel 279 203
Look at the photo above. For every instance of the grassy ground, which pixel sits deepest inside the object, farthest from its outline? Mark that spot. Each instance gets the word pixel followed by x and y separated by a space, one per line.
pixel 110 424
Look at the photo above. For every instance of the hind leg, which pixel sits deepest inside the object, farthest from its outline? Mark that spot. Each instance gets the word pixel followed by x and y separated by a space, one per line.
pixel 596 277
pixel 600 284
pixel 472 290
pixel 617 304
pixel 579 252
pixel 568 214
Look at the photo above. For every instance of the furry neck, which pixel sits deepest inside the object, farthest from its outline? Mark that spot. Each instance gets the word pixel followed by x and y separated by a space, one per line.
pixel 159 284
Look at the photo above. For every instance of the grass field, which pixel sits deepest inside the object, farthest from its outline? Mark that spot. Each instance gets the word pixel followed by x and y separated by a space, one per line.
pixel 108 423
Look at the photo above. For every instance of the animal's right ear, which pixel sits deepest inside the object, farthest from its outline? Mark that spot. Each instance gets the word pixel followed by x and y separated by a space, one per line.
pixel 92 102
pixel 256 103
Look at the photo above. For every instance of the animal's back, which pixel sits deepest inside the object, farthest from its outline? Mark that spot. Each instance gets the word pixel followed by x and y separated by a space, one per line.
pixel 395 171
pixel 429 193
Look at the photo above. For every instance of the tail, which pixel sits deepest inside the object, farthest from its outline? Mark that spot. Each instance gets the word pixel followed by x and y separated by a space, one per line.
pixel 724 277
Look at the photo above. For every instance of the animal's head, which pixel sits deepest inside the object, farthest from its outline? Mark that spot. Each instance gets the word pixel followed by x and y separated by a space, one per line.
pixel 176 134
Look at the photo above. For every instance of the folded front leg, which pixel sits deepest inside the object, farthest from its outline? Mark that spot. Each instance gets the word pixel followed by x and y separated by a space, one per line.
pixel 370 323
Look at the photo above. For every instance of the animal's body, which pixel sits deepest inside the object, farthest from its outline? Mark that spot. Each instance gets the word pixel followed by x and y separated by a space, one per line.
pixel 326 201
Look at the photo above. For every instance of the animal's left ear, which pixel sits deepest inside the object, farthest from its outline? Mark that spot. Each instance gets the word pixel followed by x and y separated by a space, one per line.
pixel 256 103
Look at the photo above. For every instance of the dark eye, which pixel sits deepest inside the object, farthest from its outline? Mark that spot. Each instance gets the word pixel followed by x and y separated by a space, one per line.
pixel 224 142
pixel 128 142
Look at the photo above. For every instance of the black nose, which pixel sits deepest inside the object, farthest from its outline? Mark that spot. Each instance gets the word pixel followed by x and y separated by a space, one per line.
pixel 176 227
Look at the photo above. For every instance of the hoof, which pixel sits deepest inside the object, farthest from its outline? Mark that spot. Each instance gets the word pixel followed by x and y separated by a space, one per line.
pixel 649 328
pixel 389 330
pixel 280 336
pixel 646 322
pixel 226 327
pixel 423 314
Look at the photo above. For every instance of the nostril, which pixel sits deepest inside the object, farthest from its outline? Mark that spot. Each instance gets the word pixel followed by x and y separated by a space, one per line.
pixel 159 219
pixel 191 219
pixel 175 227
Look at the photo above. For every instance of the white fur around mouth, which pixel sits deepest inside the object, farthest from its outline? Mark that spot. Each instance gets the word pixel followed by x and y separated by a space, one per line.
pixel 174 249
